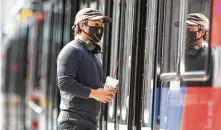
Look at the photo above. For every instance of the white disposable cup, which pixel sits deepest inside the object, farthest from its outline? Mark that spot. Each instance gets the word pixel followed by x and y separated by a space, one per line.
pixel 111 82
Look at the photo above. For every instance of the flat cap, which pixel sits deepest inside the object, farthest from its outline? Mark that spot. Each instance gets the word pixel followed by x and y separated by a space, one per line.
pixel 195 19
pixel 92 14
pixel 198 19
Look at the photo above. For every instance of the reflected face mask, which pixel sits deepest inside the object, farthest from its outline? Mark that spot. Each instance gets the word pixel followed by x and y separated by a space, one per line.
pixel 191 37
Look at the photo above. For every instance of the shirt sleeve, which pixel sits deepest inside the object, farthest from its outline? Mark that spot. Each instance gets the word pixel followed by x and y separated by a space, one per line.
pixel 68 62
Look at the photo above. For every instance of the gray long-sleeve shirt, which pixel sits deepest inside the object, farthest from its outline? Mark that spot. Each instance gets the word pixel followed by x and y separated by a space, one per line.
pixel 78 72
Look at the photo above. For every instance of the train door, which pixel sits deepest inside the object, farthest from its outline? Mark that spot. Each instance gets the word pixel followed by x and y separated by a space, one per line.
pixel 131 64
pixel 125 51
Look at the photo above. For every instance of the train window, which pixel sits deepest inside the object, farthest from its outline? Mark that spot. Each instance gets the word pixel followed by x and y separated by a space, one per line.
pixel 170 46
pixel 195 42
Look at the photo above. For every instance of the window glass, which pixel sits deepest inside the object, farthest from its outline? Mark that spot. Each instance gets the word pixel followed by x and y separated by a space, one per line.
pixel 149 64
pixel 194 65
pixel 170 35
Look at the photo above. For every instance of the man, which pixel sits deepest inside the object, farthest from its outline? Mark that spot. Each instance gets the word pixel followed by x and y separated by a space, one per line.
pixel 79 74
pixel 197 46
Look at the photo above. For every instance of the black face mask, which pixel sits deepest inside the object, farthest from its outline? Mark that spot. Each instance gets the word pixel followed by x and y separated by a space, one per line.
pixel 191 46
pixel 191 37
pixel 95 33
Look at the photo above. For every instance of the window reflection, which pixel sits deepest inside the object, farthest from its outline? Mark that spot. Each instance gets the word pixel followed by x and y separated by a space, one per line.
pixel 196 63
pixel 196 41
pixel 197 28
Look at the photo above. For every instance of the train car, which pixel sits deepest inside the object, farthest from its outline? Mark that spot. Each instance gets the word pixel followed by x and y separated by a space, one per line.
pixel 144 47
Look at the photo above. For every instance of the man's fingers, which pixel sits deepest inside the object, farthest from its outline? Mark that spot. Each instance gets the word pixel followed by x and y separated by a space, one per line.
pixel 108 99
pixel 104 101
pixel 110 92
pixel 115 90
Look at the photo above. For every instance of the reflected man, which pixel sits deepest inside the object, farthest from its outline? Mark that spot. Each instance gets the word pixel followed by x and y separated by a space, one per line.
pixel 197 46
pixel 197 34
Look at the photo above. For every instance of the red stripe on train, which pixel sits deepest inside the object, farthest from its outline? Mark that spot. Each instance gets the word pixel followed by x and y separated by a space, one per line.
pixel 202 109
pixel 216 26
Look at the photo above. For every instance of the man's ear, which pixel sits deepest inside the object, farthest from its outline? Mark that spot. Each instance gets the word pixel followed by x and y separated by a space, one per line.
pixel 203 32
pixel 81 26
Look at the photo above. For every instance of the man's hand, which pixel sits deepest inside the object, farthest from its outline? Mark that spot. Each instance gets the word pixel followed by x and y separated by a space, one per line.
pixel 114 89
pixel 102 95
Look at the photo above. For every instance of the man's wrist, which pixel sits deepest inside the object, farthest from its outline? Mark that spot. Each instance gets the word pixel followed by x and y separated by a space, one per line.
pixel 92 93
